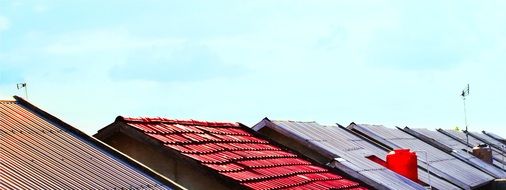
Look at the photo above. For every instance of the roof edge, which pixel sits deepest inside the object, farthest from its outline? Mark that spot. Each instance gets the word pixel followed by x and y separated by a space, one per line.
pixel 365 133
pixel 98 143
pixel 261 124
pixel 427 139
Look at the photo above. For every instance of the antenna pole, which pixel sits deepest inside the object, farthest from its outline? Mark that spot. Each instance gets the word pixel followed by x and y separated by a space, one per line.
pixel 23 85
pixel 465 120
pixel 26 91
pixel 465 93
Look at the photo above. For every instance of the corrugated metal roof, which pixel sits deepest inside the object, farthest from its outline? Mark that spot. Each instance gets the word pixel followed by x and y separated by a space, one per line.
pixel 458 150
pixel 489 140
pixel 499 160
pixel 461 136
pixel 340 143
pixel 442 164
pixel 234 151
pixel 38 151
pixel 495 136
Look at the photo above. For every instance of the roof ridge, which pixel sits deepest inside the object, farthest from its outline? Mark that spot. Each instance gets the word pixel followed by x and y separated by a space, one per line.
pixel 177 121
pixel 8 101
pixel 294 121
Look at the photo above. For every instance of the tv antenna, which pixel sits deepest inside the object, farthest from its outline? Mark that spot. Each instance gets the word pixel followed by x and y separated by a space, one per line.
pixel 464 94
pixel 23 85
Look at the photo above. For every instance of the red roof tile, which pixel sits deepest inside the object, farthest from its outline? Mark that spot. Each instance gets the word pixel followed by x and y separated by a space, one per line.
pixel 233 151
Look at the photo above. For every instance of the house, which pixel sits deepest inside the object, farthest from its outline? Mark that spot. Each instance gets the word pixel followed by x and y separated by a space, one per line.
pixel 39 151
pixel 497 144
pixel 440 163
pixel 338 147
pixel 497 154
pixel 457 149
pixel 495 136
pixel 219 155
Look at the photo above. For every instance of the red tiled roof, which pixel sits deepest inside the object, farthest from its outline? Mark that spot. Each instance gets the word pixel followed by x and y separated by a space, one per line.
pixel 237 153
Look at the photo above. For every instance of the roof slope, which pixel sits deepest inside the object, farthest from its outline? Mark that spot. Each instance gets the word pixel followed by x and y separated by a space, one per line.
pixel 235 151
pixel 461 137
pixel 38 151
pixel 455 148
pixel 489 140
pixel 495 136
pixel 340 143
pixel 442 164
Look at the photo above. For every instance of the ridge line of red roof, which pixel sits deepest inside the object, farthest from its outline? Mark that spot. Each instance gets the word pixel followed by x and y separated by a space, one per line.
pixel 8 101
pixel 176 121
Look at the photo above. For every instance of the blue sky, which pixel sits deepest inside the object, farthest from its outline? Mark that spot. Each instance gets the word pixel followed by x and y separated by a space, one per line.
pixel 396 63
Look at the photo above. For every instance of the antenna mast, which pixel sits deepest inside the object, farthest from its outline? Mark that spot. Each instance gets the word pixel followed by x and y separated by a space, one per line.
pixel 464 94
pixel 23 85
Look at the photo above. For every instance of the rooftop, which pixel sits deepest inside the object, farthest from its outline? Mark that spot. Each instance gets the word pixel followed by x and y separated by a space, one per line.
pixel 235 151
pixel 39 151
pixel 441 163
pixel 354 151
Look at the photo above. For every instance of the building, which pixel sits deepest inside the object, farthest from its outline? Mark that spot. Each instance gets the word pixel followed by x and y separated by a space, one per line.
pixel 218 155
pixel 497 144
pixel 39 151
pixel 495 136
pixel 471 141
pixel 338 147
pixel 440 163
pixel 457 149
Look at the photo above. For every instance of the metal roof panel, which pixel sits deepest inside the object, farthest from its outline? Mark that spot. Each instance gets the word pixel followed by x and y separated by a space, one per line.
pixel 498 161
pixel 38 153
pixel 443 164
pixel 343 144
pixel 495 136
pixel 460 150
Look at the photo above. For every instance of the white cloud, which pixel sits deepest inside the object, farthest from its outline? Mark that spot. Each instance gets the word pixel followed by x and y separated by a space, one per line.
pixel 4 23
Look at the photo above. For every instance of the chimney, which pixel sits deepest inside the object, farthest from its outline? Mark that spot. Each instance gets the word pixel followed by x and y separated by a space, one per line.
pixel 483 152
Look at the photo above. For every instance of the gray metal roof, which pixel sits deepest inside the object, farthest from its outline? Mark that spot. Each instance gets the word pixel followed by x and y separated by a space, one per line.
pixel 339 143
pixel 455 148
pixel 489 140
pixel 382 153
pixel 441 163
pixel 495 136
pixel 499 161
pixel 461 136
